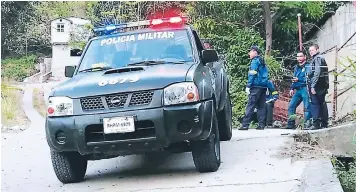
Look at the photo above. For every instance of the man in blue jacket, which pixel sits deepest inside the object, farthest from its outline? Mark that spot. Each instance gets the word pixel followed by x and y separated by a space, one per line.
pixel 299 91
pixel 256 89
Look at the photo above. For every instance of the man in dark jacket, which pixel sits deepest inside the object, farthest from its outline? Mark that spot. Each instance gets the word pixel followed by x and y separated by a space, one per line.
pixel 256 89
pixel 319 85
pixel 299 91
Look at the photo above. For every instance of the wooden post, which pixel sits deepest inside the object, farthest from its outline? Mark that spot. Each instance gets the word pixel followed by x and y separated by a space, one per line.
pixel 300 33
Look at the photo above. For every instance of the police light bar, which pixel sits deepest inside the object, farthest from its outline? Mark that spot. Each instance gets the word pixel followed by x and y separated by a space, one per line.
pixel 106 30
pixel 109 29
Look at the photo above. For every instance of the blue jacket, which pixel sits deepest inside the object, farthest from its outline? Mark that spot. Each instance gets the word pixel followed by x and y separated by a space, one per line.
pixel 258 73
pixel 271 93
pixel 301 73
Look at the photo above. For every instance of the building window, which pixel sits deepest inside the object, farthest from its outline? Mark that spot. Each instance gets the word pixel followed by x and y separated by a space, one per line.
pixel 60 27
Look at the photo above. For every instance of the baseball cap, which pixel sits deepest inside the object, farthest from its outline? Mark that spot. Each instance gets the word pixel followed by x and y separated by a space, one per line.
pixel 256 48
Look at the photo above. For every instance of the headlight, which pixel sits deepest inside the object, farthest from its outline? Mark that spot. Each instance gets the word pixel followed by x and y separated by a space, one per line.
pixel 60 106
pixel 180 93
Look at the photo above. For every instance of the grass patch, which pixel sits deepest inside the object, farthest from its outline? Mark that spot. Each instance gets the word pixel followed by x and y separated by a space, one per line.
pixel 38 102
pixel 11 106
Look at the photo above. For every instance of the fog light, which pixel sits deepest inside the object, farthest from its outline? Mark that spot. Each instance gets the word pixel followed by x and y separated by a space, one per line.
pixel 184 127
pixel 61 138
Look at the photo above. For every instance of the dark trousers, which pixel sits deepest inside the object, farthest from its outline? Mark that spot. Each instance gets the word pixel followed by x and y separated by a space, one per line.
pixel 269 114
pixel 269 118
pixel 256 99
pixel 319 109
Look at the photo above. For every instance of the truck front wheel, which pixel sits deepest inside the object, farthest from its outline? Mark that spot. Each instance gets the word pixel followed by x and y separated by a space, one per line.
pixel 206 153
pixel 69 167
pixel 225 120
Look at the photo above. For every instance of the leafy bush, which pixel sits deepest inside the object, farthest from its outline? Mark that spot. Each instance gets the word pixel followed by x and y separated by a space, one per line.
pixel 346 174
pixel 18 68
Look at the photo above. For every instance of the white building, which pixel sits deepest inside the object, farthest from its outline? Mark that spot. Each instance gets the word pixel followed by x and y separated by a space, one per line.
pixel 64 30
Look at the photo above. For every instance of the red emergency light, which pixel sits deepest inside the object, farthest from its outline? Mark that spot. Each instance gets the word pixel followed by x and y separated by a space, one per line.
pixel 170 22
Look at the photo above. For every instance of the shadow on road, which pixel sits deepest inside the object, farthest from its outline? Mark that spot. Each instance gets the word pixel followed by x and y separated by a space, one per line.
pixel 156 164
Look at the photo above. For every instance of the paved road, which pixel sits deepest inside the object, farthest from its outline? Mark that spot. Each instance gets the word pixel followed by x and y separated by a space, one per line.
pixel 249 163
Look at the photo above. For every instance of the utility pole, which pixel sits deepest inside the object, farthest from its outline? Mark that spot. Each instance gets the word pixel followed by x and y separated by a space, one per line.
pixel 300 33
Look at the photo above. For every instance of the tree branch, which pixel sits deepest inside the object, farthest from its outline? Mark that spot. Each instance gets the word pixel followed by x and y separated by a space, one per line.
pixel 260 21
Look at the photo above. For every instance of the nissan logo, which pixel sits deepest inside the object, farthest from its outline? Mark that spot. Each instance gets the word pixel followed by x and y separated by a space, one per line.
pixel 117 100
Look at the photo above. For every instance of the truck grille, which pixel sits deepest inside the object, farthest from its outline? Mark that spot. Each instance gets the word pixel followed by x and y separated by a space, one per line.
pixel 114 101
pixel 141 98
pixel 144 129
pixel 91 103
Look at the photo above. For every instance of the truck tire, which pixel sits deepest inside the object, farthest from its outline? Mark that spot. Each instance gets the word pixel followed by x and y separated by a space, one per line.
pixel 69 167
pixel 206 153
pixel 225 121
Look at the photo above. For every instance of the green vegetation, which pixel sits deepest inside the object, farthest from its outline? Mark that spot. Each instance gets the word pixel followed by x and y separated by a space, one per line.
pixel 18 68
pixel 346 172
pixel 11 109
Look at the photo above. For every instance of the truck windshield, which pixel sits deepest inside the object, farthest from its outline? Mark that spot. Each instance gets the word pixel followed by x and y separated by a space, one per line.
pixel 123 49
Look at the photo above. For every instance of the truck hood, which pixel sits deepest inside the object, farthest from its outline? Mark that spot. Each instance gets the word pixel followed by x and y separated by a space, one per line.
pixel 128 79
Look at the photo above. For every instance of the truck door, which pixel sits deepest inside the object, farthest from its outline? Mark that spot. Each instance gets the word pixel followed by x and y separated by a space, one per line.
pixel 213 68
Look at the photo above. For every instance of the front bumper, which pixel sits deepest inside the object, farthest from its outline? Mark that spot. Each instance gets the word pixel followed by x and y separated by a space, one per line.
pixel 155 128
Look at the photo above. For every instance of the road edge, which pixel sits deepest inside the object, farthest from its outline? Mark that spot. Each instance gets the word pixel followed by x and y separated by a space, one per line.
pixel 320 176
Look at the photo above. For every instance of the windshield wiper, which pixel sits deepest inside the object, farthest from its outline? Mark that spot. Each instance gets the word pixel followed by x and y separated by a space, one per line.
pixel 95 69
pixel 153 62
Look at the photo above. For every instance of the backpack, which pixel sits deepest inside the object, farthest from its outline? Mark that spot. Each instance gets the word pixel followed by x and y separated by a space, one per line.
pixel 262 73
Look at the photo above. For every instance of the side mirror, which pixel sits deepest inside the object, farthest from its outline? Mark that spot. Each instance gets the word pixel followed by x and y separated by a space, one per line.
pixel 69 71
pixel 209 55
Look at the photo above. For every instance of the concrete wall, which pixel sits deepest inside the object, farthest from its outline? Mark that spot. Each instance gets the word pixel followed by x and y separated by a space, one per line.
pixel 340 140
pixel 335 32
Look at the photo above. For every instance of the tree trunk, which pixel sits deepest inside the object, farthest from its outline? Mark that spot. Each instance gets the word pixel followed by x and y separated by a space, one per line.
pixel 268 26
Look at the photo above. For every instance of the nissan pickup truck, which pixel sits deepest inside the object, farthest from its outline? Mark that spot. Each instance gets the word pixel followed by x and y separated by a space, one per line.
pixel 140 88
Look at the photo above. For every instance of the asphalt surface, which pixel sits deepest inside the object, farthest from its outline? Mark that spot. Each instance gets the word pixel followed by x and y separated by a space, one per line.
pixel 250 162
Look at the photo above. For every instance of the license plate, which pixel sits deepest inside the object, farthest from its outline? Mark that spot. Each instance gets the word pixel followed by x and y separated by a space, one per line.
pixel 118 125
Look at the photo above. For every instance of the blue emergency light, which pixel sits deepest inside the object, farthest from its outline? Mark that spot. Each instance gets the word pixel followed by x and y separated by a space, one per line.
pixel 106 30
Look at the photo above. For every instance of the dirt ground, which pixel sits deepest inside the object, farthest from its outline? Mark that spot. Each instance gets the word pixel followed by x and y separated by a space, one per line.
pixel 303 148
pixel 39 102
pixel 12 113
